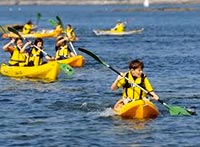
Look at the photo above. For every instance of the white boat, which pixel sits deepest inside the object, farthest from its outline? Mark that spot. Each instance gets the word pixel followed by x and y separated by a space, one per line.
pixel 117 33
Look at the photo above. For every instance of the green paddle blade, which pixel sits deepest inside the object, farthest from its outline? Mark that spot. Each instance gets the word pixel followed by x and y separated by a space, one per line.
pixel 53 22
pixel 176 110
pixel 67 69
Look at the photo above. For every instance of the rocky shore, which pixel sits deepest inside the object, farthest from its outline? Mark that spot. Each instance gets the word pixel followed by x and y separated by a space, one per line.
pixel 93 2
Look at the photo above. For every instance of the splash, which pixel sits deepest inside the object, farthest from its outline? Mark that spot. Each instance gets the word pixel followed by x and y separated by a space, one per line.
pixel 107 112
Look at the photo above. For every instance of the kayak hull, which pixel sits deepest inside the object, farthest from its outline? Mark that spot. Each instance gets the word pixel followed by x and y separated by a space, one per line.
pixel 76 61
pixel 139 109
pixel 47 72
pixel 41 34
pixel 116 33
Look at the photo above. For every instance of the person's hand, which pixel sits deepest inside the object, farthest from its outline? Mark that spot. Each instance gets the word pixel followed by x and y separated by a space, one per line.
pixel 12 40
pixel 119 77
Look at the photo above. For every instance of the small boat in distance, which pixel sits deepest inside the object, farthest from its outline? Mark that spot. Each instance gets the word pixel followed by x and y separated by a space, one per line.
pixel 117 33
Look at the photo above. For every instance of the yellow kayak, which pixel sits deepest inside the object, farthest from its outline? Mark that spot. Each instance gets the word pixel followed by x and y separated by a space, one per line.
pixel 47 72
pixel 117 33
pixel 41 34
pixel 139 109
pixel 76 61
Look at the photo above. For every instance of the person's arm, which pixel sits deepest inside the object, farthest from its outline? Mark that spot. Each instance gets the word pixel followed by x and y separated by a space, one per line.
pixel 50 58
pixel 62 40
pixel 150 89
pixel 114 84
pixel 7 46
pixel 23 49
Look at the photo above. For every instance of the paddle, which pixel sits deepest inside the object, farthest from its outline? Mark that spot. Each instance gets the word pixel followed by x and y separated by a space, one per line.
pixel 2 29
pixel 70 43
pixel 60 21
pixel 52 22
pixel 38 18
pixel 67 69
pixel 174 110
pixel 177 110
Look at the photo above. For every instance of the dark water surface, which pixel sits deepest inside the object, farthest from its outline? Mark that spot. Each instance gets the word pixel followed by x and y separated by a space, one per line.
pixel 76 111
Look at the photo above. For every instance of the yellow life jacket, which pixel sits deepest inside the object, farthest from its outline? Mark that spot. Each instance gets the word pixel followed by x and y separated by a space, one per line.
pixel 17 58
pixel 35 57
pixel 134 92
pixel 62 53
pixel 71 34
pixel 119 28
pixel 26 29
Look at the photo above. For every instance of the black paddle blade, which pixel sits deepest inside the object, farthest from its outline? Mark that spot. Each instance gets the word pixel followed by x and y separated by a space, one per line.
pixel 60 21
pixel 93 55
pixel 13 30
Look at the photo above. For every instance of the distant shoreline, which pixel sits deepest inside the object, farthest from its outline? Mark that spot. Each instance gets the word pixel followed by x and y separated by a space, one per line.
pixel 94 2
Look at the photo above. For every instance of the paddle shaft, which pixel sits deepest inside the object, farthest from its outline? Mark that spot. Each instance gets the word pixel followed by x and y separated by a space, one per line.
pixel 2 29
pixel 38 18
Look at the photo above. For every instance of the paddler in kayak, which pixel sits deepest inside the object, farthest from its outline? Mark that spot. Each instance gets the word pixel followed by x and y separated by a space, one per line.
pixel 71 33
pixel 18 52
pixel 130 91
pixel 28 27
pixel 120 27
pixel 62 49
pixel 36 55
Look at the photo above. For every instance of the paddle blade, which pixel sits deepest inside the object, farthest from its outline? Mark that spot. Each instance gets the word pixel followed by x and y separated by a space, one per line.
pixel 93 55
pixel 13 30
pixel 60 21
pixel 39 15
pixel 38 18
pixel 176 110
pixel 67 69
pixel 53 22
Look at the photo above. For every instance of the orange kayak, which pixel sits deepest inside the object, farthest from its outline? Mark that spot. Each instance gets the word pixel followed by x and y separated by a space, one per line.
pixel 139 109
pixel 76 61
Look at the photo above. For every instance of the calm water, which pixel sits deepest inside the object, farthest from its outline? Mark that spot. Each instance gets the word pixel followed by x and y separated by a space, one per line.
pixel 76 111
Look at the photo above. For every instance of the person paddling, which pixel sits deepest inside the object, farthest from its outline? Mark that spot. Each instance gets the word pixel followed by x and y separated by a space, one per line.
pixel 71 33
pixel 36 55
pixel 62 50
pixel 120 27
pixel 16 48
pixel 28 27
pixel 132 92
